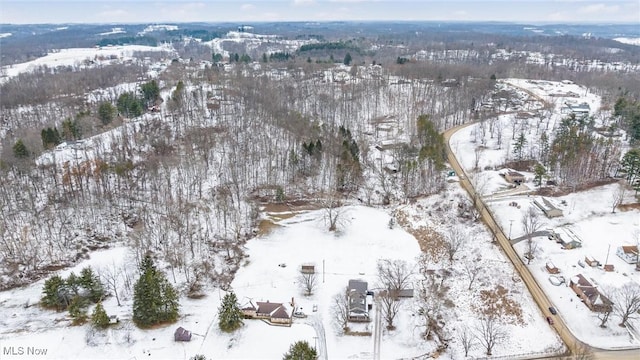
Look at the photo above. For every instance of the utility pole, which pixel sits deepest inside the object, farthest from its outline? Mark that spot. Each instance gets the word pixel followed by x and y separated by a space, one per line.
pixel 323 271
pixel 510 224
pixel 606 261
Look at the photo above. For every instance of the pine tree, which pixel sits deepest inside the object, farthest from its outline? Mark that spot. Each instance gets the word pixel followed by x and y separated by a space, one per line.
pixel 154 300
pixel 347 59
pixel 70 130
pixel 20 150
pixel 91 283
pixel 300 350
pixel 539 172
pixel 52 293
pixel 106 113
pixel 72 283
pixel 150 92
pixel 518 147
pixel 229 313
pixel 78 310
pixel 99 317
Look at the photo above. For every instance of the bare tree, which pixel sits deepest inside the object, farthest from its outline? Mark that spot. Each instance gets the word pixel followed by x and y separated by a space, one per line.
pixel 473 268
pixel 333 211
pixel 340 309
pixel 454 240
pixel 390 307
pixel 308 282
pixel 394 275
pixel 626 300
pixel 489 333
pixel 530 223
pixel 604 316
pixel 465 336
pixel 112 277
pixel 618 197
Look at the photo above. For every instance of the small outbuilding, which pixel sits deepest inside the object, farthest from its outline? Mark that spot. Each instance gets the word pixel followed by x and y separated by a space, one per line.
pixel 551 268
pixel 548 208
pixel 514 177
pixel 182 334
pixel 591 261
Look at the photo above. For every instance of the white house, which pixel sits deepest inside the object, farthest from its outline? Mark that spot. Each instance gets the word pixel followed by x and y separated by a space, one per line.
pixel 628 253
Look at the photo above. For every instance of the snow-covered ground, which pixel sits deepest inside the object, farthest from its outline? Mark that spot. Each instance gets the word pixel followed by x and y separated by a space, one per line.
pixel 630 41
pixel 350 254
pixel 588 214
pixel 70 57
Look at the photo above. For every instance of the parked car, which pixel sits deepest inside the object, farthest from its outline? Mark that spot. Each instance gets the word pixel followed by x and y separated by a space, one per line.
pixel 299 314
pixel 552 310
pixel 549 320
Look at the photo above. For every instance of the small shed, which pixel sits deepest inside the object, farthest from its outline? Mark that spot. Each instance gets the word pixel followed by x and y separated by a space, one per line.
pixel 182 334
pixel 591 261
pixel 308 269
pixel 551 268
pixel 609 267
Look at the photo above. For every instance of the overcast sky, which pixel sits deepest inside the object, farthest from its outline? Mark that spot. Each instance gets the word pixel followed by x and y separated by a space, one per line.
pixel 145 11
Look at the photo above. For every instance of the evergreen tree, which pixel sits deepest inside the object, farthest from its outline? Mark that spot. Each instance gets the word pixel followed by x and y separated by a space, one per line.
pixel 106 113
pixel 539 172
pixel 431 142
pixel 91 283
pixel 300 350
pixel 70 130
pixel 72 284
pixel 129 105
pixel 78 310
pixel 229 313
pixel 99 317
pixel 154 300
pixel 518 147
pixel 264 58
pixel 347 59
pixel 20 150
pixel 52 293
pixel 631 165
pixel 50 137
pixel 150 92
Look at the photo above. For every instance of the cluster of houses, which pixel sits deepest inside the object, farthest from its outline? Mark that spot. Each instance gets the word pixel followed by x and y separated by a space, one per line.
pixel 585 289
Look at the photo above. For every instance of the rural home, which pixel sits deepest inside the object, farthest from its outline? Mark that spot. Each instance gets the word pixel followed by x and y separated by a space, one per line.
pixel 589 294
pixel 181 334
pixel 548 208
pixel 628 253
pixel 566 237
pixel 513 177
pixel 357 299
pixel 276 313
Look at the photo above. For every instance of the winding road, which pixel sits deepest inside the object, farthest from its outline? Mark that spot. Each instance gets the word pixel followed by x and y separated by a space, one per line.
pixel 574 345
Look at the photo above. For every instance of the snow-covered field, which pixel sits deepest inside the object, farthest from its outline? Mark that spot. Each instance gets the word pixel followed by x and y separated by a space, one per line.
pixel 350 254
pixel 70 57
